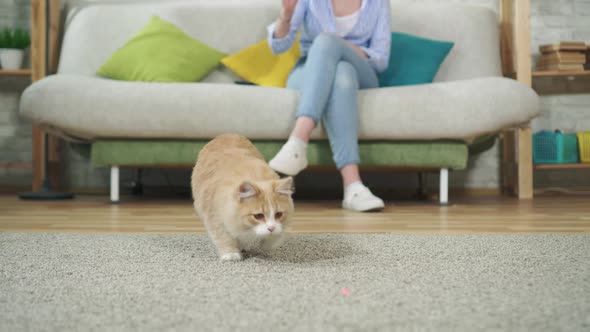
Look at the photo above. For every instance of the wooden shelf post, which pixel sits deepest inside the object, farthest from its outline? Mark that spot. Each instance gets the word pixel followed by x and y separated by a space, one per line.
pixel 522 9
pixel 516 60
pixel 41 44
pixel 38 71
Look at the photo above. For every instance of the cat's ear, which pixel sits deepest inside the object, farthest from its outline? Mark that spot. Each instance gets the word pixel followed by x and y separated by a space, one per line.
pixel 284 186
pixel 247 190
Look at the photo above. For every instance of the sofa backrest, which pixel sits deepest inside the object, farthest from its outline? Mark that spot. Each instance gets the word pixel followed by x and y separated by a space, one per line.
pixel 95 30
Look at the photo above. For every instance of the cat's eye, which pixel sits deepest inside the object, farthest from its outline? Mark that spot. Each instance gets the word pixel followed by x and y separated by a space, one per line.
pixel 259 216
pixel 278 215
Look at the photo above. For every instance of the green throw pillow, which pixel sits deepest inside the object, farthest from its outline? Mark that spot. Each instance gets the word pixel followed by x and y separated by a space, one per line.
pixel 413 60
pixel 161 52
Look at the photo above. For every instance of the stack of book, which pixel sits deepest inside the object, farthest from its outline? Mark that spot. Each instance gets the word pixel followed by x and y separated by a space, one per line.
pixel 564 56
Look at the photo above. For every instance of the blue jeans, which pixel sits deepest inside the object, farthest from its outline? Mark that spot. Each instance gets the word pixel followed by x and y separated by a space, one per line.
pixel 329 79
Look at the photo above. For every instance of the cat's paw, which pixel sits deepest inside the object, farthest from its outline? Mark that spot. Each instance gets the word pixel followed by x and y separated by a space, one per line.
pixel 233 256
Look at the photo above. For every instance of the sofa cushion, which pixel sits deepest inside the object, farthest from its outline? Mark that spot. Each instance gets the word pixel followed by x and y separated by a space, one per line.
pixel 413 60
pixel 161 52
pixel 257 64
pixel 151 152
pixel 91 107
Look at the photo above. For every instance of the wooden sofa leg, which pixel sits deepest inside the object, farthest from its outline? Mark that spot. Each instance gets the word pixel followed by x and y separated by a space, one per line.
pixel 114 184
pixel 443 195
pixel 525 163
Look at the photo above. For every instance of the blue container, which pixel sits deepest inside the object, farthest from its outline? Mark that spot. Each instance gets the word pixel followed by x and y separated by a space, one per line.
pixel 555 148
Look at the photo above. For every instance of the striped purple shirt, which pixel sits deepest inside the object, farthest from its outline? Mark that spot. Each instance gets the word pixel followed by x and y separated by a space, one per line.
pixel 372 32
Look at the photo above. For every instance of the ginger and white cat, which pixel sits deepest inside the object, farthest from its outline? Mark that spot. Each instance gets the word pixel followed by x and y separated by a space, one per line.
pixel 241 200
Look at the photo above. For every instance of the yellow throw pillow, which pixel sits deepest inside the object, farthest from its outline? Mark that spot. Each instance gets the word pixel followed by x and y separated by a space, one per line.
pixel 257 64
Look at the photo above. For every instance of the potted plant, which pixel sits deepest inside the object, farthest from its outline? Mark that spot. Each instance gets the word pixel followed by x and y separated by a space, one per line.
pixel 13 42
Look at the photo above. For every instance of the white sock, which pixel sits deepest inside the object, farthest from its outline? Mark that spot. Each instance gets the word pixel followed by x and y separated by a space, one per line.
pixel 297 142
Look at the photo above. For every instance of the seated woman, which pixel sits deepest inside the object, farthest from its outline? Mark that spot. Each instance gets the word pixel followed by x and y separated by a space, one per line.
pixel 344 44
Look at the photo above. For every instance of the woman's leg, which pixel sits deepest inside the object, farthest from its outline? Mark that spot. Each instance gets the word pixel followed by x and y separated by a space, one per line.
pixel 292 158
pixel 319 72
pixel 315 80
pixel 350 174
pixel 303 124
pixel 329 81
pixel 341 121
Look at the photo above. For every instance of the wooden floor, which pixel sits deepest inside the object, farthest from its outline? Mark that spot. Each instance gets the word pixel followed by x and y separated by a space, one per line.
pixel 557 214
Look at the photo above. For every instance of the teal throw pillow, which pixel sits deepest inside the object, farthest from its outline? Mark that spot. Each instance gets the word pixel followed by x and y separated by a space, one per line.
pixel 413 60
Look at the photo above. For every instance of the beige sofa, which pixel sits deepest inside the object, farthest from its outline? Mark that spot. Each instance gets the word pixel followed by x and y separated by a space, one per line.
pixel 469 97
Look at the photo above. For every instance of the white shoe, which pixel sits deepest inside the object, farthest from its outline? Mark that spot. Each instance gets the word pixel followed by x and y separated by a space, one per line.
pixel 291 159
pixel 359 198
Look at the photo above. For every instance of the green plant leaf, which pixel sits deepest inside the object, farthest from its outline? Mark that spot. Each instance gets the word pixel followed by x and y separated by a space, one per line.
pixel 14 38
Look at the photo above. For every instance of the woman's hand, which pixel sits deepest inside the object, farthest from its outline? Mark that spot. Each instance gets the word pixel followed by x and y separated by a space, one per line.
pixel 283 24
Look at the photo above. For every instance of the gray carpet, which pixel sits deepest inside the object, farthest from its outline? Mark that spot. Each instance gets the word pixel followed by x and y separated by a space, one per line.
pixel 73 282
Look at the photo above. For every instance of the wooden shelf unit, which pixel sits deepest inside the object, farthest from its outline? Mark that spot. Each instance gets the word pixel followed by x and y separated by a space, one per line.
pixel 40 45
pixel 45 18
pixel 569 75
pixel 517 166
